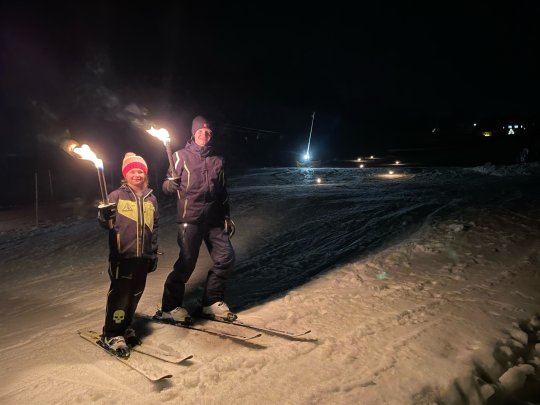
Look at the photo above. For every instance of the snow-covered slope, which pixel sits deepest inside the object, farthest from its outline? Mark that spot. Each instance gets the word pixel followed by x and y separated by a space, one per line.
pixel 419 286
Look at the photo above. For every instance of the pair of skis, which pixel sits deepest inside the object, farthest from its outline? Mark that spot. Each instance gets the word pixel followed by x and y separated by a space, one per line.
pixel 155 373
pixel 136 361
pixel 235 336
pixel 278 332
pixel 200 328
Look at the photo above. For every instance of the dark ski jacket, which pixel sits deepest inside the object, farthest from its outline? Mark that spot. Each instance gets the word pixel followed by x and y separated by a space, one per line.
pixel 202 197
pixel 135 226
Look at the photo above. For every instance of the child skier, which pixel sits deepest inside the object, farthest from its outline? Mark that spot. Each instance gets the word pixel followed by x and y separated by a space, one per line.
pixel 132 221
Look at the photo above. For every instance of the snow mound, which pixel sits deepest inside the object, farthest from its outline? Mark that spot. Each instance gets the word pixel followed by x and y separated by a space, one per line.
pixel 522 169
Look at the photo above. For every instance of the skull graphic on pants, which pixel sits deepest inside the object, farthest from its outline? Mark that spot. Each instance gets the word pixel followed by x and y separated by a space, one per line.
pixel 119 316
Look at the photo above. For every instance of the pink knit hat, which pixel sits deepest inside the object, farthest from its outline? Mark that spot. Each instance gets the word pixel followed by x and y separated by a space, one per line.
pixel 132 161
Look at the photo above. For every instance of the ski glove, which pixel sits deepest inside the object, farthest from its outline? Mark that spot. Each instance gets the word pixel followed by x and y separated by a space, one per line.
pixel 106 211
pixel 173 185
pixel 153 265
pixel 230 227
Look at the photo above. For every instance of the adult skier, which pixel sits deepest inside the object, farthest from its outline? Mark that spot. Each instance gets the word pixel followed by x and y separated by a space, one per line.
pixel 203 215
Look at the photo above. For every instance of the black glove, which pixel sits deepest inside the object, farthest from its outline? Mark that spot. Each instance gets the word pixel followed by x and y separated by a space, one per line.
pixel 230 227
pixel 153 265
pixel 106 211
pixel 173 184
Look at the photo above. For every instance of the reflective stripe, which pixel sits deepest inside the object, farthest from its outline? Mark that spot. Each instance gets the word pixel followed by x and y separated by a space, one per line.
pixel 187 186
pixel 188 175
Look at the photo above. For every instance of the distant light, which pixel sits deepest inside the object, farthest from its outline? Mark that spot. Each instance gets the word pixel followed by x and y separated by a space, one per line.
pixel 359 159
pixel 486 133
pixel 433 130
pixel 397 162
pixel 306 156
pixel 475 124
pixel 516 126
pixel 390 172
pixel 361 166
pixel 319 180
pixel 511 131
pixel 372 157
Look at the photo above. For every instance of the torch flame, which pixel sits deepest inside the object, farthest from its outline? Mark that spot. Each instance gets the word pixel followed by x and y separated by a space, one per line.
pixel 86 153
pixel 162 134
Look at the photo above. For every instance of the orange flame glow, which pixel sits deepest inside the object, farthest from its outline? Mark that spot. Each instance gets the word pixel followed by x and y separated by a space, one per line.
pixel 162 134
pixel 86 153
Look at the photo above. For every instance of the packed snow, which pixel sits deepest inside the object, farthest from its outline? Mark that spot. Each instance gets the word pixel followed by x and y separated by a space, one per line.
pixel 418 287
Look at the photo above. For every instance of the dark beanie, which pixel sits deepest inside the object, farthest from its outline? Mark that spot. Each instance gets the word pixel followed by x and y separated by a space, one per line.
pixel 199 122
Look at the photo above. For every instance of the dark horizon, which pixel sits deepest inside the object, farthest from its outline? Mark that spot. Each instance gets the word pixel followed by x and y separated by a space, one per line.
pixel 379 77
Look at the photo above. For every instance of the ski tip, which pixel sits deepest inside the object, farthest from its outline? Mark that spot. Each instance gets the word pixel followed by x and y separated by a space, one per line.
pixel 253 336
pixel 161 378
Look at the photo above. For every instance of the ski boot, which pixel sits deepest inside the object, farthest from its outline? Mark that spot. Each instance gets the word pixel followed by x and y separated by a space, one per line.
pixel 116 345
pixel 177 315
pixel 219 310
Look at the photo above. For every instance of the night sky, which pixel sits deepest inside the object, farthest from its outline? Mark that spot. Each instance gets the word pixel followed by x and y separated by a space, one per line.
pixel 378 76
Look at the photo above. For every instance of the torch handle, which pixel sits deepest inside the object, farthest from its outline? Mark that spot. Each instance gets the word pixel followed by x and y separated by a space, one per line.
pixel 169 156
pixel 103 186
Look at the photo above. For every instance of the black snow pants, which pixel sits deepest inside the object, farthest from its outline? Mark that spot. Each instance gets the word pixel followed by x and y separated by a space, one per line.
pixel 128 279
pixel 190 238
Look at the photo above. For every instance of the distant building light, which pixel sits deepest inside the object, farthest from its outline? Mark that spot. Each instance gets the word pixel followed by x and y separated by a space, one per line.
pixel 390 172
pixel 372 157
pixel 516 126
pixel 486 133
pixel 511 131
pixel 361 166
pixel 397 162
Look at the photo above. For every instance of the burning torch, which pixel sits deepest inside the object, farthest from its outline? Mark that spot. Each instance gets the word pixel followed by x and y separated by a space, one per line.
pixel 85 153
pixel 163 135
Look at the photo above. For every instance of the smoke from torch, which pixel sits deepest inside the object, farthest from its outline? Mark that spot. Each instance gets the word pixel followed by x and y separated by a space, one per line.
pixel 163 135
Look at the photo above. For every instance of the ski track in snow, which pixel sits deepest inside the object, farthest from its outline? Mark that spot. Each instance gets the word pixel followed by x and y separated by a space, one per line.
pixel 379 268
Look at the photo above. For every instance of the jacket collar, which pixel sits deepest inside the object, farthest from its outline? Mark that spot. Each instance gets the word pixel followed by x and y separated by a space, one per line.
pixel 147 191
pixel 202 151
